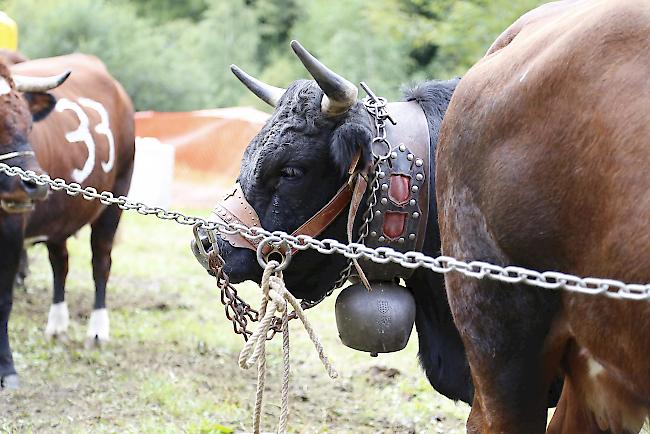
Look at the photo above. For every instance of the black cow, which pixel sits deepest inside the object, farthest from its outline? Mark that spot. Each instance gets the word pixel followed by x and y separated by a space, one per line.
pixel 297 163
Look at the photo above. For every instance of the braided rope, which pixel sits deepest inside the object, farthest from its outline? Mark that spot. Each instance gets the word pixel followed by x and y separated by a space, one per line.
pixel 276 298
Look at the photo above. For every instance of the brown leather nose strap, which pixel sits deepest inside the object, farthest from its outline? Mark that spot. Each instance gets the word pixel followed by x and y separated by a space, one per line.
pixel 234 208
pixel 326 215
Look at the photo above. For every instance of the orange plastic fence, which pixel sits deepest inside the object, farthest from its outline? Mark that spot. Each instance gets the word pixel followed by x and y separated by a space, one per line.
pixel 208 145
pixel 207 141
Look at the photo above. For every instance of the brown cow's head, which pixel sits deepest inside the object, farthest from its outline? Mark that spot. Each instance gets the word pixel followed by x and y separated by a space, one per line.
pixel 23 100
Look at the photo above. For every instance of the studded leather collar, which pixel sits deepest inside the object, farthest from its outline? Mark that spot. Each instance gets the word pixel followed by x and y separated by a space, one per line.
pixel 401 212
pixel 400 215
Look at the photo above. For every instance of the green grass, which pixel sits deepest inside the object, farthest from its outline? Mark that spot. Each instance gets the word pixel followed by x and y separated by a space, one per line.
pixel 171 365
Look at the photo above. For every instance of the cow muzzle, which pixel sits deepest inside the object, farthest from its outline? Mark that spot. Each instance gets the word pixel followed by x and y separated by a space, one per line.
pixel 24 198
pixel 234 208
pixel 22 194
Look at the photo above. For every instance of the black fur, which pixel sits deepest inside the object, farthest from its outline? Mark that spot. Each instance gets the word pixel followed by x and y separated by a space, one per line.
pixel 441 352
pixel 348 139
pixel 299 136
pixel 433 96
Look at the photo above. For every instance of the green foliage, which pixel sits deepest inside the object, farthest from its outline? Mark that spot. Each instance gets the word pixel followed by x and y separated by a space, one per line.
pixel 468 30
pixel 275 19
pixel 173 55
pixel 227 34
pixel 163 66
pixel 167 10
pixel 351 42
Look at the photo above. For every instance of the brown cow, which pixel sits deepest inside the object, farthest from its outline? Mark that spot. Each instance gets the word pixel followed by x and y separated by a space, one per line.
pixel 10 57
pixel 543 162
pixel 88 138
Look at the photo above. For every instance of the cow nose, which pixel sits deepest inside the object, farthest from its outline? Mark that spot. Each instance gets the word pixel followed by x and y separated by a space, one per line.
pixel 35 191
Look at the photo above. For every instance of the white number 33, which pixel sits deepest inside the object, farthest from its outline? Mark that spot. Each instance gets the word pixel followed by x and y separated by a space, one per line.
pixel 82 134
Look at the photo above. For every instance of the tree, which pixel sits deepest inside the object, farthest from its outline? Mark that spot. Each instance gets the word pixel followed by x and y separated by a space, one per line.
pixel 163 66
pixel 173 55
pixel 169 10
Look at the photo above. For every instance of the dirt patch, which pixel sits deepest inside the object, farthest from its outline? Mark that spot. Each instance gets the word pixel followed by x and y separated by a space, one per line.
pixel 172 363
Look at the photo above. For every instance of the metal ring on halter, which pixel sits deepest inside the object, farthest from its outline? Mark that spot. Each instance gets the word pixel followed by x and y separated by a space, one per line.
pixel 213 240
pixel 198 249
pixel 278 246
pixel 386 144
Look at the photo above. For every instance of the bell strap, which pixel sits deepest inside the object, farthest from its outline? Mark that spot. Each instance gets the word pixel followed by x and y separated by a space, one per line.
pixel 357 196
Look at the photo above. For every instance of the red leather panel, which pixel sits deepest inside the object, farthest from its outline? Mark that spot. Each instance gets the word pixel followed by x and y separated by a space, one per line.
pixel 399 190
pixel 394 224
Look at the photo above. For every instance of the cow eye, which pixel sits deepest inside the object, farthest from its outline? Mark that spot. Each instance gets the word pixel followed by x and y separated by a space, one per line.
pixel 291 173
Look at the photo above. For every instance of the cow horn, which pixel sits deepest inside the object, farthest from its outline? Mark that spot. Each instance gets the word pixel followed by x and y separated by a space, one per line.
pixel 340 94
pixel 39 84
pixel 267 93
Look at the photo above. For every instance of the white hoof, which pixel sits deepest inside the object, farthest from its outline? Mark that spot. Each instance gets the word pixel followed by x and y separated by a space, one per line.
pixel 57 321
pixel 10 382
pixel 98 328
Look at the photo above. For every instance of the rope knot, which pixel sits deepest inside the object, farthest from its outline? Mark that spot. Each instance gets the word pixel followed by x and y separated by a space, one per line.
pixel 276 298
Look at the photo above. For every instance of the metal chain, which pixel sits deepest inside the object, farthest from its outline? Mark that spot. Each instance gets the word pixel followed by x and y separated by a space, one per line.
pixel 376 107
pixel 442 264
pixel 237 310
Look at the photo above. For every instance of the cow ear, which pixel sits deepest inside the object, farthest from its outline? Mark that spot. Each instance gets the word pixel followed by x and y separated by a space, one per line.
pixel 347 140
pixel 40 104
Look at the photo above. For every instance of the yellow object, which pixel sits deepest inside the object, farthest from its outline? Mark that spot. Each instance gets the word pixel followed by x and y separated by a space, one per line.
pixel 8 32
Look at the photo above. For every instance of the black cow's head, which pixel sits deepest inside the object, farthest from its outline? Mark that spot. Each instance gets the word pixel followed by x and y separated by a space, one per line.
pixel 22 101
pixel 295 165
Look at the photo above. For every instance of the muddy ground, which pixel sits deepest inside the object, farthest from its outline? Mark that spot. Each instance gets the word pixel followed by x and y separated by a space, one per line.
pixel 171 365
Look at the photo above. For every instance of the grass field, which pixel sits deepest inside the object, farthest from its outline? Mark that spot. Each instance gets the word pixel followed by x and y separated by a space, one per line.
pixel 172 363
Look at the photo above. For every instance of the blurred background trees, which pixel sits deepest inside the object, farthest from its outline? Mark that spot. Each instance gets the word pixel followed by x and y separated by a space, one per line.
pixel 174 55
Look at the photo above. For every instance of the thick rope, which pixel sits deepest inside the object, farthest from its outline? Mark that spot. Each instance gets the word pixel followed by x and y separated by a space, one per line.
pixel 276 298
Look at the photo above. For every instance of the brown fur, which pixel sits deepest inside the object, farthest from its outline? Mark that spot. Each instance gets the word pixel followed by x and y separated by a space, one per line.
pixel 10 57
pixel 61 215
pixel 543 162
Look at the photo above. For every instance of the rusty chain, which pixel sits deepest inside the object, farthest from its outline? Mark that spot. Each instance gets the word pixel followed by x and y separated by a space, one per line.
pixel 237 310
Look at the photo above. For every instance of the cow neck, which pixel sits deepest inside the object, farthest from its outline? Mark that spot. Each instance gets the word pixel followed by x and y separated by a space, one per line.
pixel 399 217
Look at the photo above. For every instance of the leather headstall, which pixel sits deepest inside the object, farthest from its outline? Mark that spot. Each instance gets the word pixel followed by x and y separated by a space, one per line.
pixel 234 208
pixel 400 215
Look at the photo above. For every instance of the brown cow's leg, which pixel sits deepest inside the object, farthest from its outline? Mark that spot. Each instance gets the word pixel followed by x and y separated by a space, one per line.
pixel 570 417
pixel 593 401
pixel 58 318
pixel 504 329
pixel 101 241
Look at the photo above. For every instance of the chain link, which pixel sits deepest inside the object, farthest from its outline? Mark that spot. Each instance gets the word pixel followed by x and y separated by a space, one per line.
pixel 442 264
pixel 376 107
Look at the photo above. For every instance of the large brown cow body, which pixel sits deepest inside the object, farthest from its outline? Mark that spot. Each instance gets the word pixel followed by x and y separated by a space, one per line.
pixel 88 138
pixel 543 162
